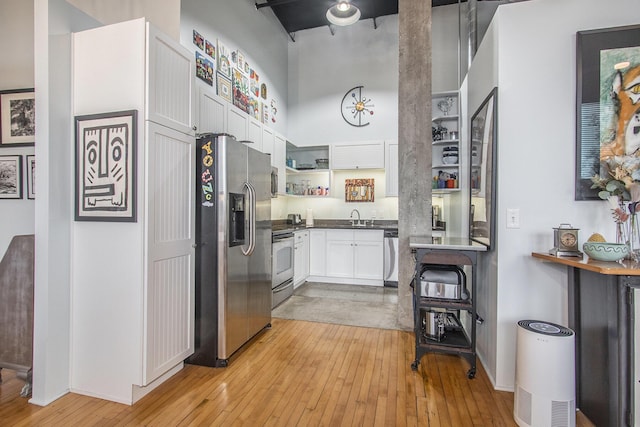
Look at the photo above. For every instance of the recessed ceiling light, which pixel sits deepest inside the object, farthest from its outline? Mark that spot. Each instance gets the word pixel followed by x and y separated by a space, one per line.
pixel 343 13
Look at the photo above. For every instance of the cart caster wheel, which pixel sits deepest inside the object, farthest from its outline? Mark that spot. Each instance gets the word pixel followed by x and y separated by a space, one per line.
pixel 471 374
pixel 414 366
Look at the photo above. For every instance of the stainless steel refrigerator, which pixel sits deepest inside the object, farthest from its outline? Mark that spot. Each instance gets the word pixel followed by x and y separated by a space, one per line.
pixel 233 247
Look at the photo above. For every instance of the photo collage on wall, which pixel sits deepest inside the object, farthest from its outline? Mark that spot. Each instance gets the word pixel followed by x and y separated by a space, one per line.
pixel 235 80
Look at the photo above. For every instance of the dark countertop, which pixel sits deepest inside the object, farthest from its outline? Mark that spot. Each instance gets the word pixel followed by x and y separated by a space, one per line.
pixel 282 225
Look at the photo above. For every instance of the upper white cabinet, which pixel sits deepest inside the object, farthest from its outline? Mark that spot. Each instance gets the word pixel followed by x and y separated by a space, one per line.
pixel 361 155
pixel 391 166
pixel 268 138
pixel 278 159
pixel 133 282
pixel 254 134
pixel 170 82
pixel 237 123
pixel 212 111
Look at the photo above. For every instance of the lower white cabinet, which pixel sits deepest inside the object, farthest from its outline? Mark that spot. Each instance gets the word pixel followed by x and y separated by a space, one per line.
pixel 317 252
pixel 350 256
pixel 300 257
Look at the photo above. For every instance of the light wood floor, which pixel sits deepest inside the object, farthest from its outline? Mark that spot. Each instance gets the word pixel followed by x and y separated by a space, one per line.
pixel 297 373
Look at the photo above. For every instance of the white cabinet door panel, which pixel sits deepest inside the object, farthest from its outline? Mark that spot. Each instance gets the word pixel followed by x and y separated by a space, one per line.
pixel 367 260
pixel 237 122
pixel 357 156
pixel 169 294
pixel 254 134
pixel 170 84
pixel 339 258
pixel 212 116
pixel 317 252
pixel 391 168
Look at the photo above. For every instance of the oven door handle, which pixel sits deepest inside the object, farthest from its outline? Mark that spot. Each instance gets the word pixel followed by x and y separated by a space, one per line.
pixel 251 193
pixel 283 286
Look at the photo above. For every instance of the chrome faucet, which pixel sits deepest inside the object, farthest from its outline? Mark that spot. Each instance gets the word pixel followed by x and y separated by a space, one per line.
pixel 353 222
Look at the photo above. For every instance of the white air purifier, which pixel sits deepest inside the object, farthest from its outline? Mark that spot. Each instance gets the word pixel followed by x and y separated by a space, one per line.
pixel 545 393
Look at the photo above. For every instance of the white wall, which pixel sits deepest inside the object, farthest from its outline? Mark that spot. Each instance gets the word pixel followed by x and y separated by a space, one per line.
pixel 54 21
pixel 164 14
pixel 16 72
pixel 256 33
pixel 322 68
pixel 536 82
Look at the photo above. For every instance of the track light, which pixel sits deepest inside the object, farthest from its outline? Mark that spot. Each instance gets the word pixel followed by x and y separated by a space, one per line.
pixel 343 13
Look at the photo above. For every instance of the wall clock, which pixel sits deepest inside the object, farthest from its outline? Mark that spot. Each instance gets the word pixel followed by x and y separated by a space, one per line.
pixel 356 108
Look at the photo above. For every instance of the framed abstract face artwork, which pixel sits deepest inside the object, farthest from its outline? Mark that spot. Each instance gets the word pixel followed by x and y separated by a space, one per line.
pixel 105 181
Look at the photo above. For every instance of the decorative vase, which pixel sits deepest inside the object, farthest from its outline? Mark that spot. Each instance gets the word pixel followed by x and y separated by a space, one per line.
pixel 634 237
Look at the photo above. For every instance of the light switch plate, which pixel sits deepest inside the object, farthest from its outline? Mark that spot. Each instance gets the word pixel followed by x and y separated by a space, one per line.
pixel 513 218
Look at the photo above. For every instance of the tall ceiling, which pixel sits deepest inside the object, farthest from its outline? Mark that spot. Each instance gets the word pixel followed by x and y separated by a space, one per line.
pixel 296 15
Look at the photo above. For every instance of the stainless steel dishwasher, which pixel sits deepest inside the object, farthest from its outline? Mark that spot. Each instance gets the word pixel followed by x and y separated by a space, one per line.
pixel 391 258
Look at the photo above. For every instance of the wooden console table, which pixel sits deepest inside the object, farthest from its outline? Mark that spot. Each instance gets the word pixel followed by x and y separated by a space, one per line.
pixel 601 314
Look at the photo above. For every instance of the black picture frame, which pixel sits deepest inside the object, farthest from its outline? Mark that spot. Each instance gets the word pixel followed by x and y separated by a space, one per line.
pixel 10 177
pixel 105 167
pixel 17 117
pixel 591 89
pixel 31 176
pixel 482 171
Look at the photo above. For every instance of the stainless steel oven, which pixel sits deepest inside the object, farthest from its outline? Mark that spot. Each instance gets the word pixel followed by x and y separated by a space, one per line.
pixel 282 250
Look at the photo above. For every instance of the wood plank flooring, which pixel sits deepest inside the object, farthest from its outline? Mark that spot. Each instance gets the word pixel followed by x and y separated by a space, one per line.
pixel 297 373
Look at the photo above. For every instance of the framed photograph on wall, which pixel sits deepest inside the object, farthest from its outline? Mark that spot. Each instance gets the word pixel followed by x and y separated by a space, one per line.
pixel 17 117
pixel 607 123
pixel 31 177
pixel 105 176
pixel 10 177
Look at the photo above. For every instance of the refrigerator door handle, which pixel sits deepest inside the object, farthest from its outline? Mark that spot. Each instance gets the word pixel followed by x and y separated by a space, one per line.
pixel 252 220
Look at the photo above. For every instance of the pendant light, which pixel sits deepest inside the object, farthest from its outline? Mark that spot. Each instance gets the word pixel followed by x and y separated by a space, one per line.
pixel 343 13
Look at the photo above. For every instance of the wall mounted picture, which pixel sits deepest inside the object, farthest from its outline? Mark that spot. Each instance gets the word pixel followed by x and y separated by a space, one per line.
pixel 31 177
pixel 359 190
pixel 254 79
pixel 274 110
pixel 204 69
pixel 10 177
pixel 263 91
pixel 254 109
pixel 17 117
pixel 607 120
pixel 224 60
pixel 198 40
pixel 210 49
pixel 240 91
pixel 223 87
pixel 105 181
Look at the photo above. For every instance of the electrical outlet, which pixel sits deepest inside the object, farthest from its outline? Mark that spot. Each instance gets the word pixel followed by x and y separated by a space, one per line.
pixel 513 218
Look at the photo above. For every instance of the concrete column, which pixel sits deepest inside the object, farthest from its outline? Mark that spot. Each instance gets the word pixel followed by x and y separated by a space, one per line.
pixel 414 139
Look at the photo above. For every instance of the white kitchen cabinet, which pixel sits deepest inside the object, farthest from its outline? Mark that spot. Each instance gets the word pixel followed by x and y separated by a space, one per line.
pixel 254 134
pixel 301 257
pixel 132 287
pixel 357 155
pixel 317 252
pixel 237 123
pixel 268 138
pixel 391 168
pixel 355 256
pixel 212 111
pixel 278 156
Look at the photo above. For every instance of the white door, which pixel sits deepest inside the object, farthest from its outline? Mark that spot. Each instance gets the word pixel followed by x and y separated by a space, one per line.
pixel 254 134
pixel 391 168
pixel 169 213
pixel 237 123
pixel 170 83
pixel 340 253
pixel 368 260
pixel 212 116
pixel 317 253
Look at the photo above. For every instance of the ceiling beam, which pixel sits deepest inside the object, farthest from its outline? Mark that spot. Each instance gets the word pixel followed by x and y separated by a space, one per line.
pixel 271 3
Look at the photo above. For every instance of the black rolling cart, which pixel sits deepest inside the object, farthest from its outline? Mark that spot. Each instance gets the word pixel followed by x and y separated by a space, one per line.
pixel 441 292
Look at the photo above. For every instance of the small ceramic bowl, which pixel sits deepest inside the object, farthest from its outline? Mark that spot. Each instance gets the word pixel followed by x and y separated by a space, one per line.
pixel 602 251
